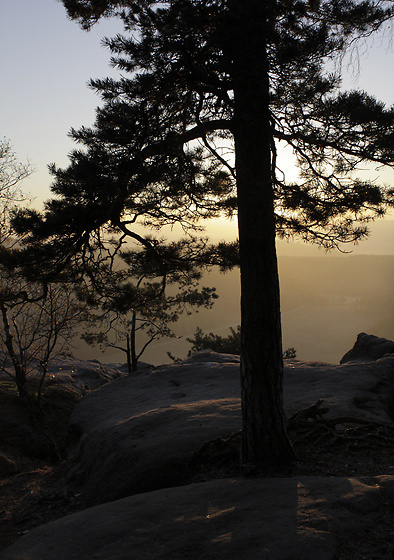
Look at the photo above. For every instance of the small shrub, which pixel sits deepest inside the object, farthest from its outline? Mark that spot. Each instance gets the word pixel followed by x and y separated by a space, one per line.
pixel 289 353
pixel 230 344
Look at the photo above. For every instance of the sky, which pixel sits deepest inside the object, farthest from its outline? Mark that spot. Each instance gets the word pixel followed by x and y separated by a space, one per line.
pixel 47 61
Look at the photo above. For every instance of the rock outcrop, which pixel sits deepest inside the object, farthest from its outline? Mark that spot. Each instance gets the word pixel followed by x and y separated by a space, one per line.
pixel 138 435
pixel 306 518
pixel 368 348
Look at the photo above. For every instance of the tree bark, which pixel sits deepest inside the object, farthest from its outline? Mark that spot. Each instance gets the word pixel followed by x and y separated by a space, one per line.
pixel 20 373
pixel 128 354
pixel 134 358
pixel 264 438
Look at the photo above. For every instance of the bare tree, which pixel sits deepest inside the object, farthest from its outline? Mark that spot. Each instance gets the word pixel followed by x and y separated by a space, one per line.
pixel 36 321
pixel 12 173
pixel 35 330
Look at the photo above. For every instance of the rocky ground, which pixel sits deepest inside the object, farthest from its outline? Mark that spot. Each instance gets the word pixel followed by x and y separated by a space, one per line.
pixel 34 445
pixel 153 463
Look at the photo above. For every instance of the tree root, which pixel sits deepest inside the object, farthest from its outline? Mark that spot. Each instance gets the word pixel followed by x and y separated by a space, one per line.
pixel 309 426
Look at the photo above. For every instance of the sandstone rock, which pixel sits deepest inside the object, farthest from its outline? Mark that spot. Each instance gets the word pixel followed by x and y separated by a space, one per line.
pixel 302 518
pixel 89 374
pixel 139 433
pixel 368 348
pixel 8 466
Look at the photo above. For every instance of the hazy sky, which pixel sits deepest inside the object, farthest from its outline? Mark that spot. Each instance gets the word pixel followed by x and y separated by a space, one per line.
pixel 47 61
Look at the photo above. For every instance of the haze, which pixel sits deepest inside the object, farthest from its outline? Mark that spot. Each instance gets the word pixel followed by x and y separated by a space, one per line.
pixel 327 300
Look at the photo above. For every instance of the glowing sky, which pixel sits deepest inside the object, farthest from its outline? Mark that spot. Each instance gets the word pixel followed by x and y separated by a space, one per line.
pixel 47 61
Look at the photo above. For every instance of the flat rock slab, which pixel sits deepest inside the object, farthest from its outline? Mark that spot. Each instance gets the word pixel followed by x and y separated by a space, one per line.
pixel 138 433
pixel 362 390
pixel 302 518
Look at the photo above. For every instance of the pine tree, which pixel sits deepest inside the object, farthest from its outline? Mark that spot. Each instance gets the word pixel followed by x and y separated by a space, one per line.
pixel 146 295
pixel 200 75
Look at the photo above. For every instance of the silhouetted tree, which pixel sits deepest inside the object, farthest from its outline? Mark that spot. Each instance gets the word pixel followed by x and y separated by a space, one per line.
pixel 34 329
pixel 203 75
pixel 146 294
pixel 12 173
pixel 230 344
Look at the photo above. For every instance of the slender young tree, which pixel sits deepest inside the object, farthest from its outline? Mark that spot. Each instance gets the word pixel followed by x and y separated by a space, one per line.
pixel 200 75
pixel 146 294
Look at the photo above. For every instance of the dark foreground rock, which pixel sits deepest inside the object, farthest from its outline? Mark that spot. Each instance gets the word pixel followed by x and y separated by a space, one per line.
pixel 305 518
pixel 29 433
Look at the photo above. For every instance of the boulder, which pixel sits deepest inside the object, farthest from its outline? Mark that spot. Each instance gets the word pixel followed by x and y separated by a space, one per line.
pixel 139 433
pixel 368 348
pixel 87 374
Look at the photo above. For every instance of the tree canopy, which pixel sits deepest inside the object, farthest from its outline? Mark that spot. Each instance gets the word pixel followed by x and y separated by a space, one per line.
pixel 202 78
pixel 140 161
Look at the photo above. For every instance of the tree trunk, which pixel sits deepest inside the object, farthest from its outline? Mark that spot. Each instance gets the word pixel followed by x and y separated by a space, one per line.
pixel 134 359
pixel 128 354
pixel 44 371
pixel 264 438
pixel 20 373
